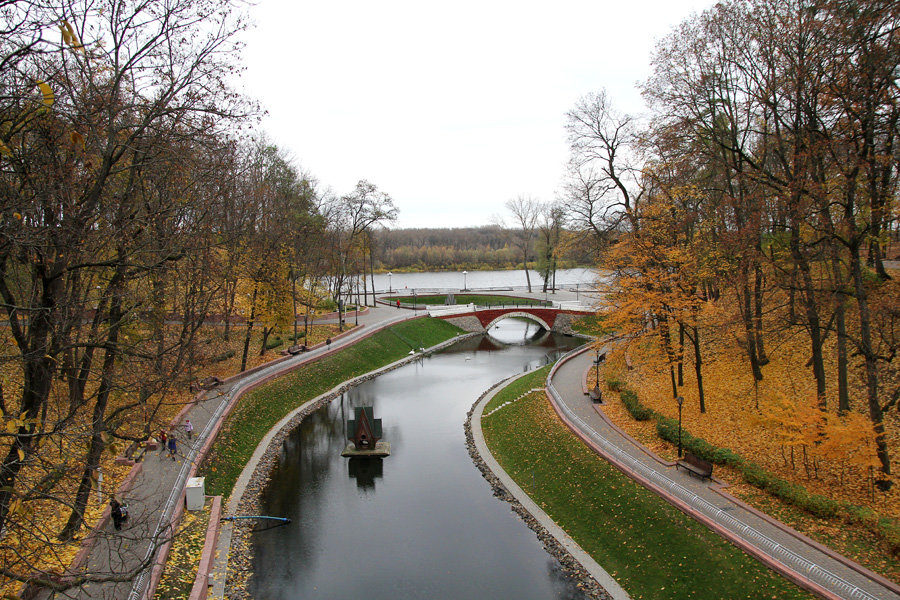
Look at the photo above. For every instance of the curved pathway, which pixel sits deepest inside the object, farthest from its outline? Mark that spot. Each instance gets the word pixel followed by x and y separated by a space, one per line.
pixel 799 558
pixel 155 492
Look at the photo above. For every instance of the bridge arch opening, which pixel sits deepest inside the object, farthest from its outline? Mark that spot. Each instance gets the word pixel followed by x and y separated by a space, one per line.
pixel 513 332
pixel 518 315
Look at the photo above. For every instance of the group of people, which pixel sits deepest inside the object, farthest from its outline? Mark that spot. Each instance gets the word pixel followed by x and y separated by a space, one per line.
pixel 169 443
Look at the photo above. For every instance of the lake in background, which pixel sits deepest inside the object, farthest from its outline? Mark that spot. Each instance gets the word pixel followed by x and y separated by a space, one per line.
pixel 482 280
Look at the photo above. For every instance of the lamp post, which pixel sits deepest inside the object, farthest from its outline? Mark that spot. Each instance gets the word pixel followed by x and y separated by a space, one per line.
pixel 414 301
pixel 680 401
pixel 600 359
pixel 465 277
pixel 389 282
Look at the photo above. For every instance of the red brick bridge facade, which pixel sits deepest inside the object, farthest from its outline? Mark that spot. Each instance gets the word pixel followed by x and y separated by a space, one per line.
pixel 552 319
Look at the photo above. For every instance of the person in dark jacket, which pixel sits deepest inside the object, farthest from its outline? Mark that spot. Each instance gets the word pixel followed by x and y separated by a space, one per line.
pixel 116 513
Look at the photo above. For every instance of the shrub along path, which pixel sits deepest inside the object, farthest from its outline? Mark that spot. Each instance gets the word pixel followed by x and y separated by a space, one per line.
pixel 798 557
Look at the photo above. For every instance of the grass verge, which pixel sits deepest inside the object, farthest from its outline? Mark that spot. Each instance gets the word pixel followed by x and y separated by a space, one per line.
pixel 885 529
pixel 184 558
pixel 651 548
pixel 260 409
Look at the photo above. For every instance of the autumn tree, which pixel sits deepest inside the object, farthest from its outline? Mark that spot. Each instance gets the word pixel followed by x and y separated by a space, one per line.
pixel 604 166
pixel 92 224
pixel 525 211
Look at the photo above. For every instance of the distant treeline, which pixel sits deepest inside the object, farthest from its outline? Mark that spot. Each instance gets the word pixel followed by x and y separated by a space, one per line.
pixel 457 248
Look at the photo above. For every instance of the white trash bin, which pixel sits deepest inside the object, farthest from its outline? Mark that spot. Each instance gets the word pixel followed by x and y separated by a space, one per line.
pixel 195 493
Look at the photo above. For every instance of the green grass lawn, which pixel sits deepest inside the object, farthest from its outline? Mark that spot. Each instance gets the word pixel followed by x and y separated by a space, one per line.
pixel 478 300
pixel 260 409
pixel 651 548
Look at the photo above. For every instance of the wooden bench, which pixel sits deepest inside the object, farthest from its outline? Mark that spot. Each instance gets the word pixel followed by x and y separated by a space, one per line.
pixel 695 466
pixel 205 384
pixel 296 349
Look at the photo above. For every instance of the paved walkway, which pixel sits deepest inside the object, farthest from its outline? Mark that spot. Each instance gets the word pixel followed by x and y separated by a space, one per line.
pixel 774 543
pixel 157 489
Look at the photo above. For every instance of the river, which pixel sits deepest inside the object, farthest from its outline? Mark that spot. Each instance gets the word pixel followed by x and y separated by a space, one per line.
pixel 421 523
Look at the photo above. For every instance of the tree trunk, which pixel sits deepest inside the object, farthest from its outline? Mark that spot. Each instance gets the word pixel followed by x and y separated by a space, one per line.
pixel 38 372
pixel 527 274
pixel 757 317
pixel 812 316
pixel 744 304
pixel 98 425
pixel 866 348
pixel 698 367
pixel 249 328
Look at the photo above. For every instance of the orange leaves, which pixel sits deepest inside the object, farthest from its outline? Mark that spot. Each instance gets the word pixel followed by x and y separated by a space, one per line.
pixel 799 423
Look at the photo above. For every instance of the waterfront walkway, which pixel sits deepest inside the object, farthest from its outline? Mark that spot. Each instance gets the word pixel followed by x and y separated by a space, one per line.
pixel 157 489
pixel 798 557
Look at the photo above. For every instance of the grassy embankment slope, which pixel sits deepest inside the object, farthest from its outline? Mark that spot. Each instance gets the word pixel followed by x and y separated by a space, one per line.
pixel 260 409
pixel 651 548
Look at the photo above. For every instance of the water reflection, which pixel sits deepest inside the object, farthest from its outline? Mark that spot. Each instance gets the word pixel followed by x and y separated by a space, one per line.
pixel 518 330
pixel 365 470
pixel 419 523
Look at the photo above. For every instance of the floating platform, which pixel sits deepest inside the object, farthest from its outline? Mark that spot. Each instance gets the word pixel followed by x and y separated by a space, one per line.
pixel 380 449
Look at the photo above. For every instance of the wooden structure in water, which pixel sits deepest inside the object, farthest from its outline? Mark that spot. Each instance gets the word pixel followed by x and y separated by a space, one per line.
pixel 364 433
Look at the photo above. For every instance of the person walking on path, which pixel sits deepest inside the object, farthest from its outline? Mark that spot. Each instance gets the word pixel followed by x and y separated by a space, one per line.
pixel 116 513
pixel 162 443
pixel 189 428
pixel 172 446
pixel 328 343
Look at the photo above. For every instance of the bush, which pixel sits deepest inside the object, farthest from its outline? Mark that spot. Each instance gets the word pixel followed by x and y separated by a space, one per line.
pixel 634 406
pixel 886 528
pixel 224 356
pixel 274 343
pixel 615 385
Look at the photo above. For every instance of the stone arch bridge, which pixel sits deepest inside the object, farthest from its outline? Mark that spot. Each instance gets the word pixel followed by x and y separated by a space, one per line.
pixel 472 318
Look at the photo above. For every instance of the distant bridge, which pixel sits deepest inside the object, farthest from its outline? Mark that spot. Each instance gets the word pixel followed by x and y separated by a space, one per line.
pixel 473 318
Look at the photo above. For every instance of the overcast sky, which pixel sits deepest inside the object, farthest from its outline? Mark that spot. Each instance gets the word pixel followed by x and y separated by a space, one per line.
pixel 452 108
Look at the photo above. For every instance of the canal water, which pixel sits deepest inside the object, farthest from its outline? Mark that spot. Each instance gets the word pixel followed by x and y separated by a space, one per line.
pixel 421 523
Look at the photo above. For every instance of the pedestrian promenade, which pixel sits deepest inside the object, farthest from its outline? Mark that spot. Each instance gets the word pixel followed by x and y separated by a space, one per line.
pixel 155 493
pixel 799 558
pixel 157 489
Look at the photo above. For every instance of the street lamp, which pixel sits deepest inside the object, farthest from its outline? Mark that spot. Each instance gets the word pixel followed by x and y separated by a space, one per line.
pixel 600 359
pixel 389 282
pixel 680 401
pixel 465 275
pixel 414 301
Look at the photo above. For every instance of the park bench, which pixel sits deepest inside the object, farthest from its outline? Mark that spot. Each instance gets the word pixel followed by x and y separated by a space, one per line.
pixel 205 384
pixel 296 349
pixel 695 466
pixel 596 395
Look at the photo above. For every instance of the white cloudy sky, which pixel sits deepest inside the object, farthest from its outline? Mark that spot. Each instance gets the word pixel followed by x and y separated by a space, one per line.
pixel 452 108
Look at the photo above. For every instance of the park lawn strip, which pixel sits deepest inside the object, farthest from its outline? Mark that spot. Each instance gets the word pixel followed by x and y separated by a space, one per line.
pixel 651 548
pixel 184 558
pixel 476 299
pixel 260 409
